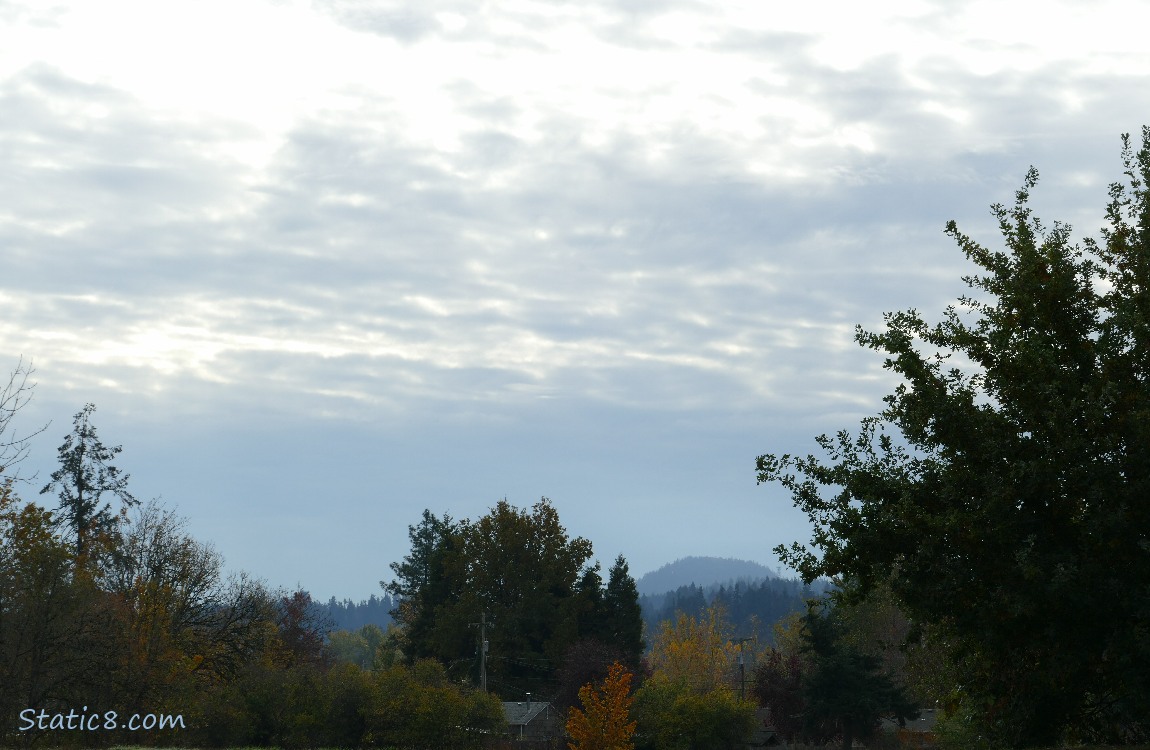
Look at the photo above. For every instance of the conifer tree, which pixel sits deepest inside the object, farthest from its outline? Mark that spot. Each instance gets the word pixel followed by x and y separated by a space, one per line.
pixel 84 477
pixel 623 614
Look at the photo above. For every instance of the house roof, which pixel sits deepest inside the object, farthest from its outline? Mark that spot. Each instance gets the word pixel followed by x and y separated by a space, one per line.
pixel 521 713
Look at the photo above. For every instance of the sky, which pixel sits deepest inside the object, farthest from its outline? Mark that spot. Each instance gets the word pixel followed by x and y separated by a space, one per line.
pixel 322 265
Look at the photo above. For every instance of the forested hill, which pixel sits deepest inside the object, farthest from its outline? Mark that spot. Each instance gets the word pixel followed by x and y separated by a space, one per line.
pixel 701 571
pixel 347 615
pixel 764 602
pixel 745 589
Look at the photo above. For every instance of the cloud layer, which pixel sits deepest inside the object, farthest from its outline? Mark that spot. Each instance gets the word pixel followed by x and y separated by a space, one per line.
pixel 386 227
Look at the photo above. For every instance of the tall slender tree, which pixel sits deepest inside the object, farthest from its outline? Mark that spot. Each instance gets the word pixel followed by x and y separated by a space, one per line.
pixel 623 614
pixel 85 475
pixel 423 581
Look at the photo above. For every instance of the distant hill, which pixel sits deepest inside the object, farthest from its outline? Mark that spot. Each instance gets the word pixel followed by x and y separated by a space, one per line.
pixel 703 572
pixel 347 615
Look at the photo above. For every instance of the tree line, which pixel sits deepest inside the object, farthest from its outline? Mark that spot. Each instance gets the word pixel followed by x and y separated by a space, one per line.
pixel 750 606
pixel 118 609
pixel 349 615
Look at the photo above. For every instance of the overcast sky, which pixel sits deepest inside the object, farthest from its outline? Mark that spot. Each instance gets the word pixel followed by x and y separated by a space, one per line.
pixel 321 265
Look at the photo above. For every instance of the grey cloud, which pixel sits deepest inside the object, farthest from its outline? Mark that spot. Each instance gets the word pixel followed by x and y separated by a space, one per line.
pixel 549 313
pixel 405 22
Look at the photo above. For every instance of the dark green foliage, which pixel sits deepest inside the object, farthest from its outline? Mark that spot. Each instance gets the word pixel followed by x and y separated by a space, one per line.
pixel 1010 515
pixel 673 716
pixel 845 693
pixel 830 688
pixel 586 662
pixel 301 706
pixel 590 614
pixel 610 630
pixel 85 474
pixel 424 582
pixel 691 600
pixel 624 617
pixel 521 570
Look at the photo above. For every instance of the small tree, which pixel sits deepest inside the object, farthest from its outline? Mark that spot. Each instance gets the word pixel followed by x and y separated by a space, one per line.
pixel 84 476
pixel 778 685
pixel 846 693
pixel 605 721
pixel 303 631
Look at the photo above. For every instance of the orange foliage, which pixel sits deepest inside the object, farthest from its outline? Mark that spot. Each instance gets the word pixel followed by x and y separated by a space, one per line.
pixel 603 723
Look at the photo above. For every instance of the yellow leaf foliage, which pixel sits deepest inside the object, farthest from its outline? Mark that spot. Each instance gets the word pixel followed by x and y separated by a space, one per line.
pixel 696 652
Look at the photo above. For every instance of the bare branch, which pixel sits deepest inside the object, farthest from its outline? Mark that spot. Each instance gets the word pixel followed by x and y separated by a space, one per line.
pixel 13 397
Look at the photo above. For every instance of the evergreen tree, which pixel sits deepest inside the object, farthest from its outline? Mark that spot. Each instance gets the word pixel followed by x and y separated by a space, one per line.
pixel 846 693
pixel 624 617
pixel 84 476
pixel 590 607
pixel 423 581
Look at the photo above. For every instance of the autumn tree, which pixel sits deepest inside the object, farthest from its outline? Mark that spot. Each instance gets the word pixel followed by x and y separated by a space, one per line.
pixel 303 630
pixel 1002 492
pixel 604 722
pixel 59 638
pixel 688 702
pixel 696 651
pixel 85 475
pixel 777 684
pixel 187 624
pixel 419 706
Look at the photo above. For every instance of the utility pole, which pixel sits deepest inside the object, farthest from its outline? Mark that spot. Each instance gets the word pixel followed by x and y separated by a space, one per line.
pixel 482 625
pixel 743 668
